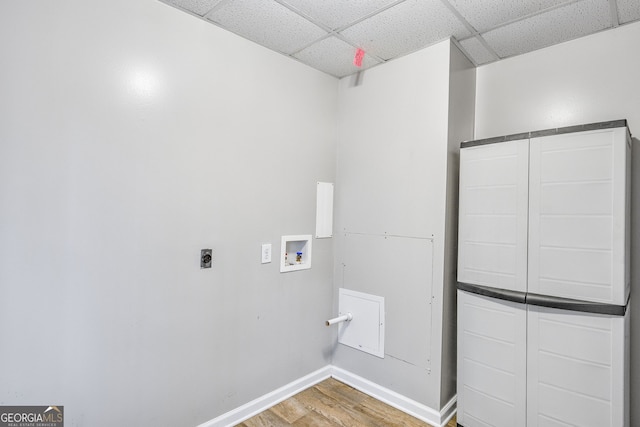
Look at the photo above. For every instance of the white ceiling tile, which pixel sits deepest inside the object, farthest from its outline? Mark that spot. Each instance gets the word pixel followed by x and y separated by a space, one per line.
pixel 486 14
pixel 333 56
pixel 336 14
pixel 478 52
pixel 199 7
pixel 267 23
pixel 628 10
pixel 406 27
pixel 398 27
pixel 552 27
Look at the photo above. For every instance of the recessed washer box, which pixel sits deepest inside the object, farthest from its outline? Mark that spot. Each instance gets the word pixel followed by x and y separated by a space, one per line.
pixel 295 253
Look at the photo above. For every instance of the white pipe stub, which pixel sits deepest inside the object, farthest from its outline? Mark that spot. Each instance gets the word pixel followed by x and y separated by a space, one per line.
pixel 344 318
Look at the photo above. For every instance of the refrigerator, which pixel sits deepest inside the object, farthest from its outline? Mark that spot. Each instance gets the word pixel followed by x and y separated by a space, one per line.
pixel 543 278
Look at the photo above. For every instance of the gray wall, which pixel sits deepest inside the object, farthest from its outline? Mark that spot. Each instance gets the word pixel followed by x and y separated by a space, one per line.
pixel 462 92
pixel 587 80
pixel 392 214
pixel 131 136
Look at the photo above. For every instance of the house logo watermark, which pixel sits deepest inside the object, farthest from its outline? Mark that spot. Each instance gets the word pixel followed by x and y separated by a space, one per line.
pixel 31 416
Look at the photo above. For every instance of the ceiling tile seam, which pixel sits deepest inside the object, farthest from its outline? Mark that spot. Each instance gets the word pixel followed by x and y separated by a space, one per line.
pixel 369 15
pixel 414 50
pixel 472 36
pixel 215 8
pixel 338 32
pixel 337 29
pixel 558 43
pixel 615 20
pixel 216 24
pixel 472 30
pixel 311 66
pixel 288 55
pixel 461 18
pixel 221 3
pixel 530 15
pixel 356 46
pixel 486 45
pixel 219 25
pixel 464 52
pixel 182 9
pixel 629 22
pixel 304 16
pixel 340 37
pixel 308 45
pixel 222 27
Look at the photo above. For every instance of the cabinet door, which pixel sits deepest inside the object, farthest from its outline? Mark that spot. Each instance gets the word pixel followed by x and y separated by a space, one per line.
pixel 492 232
pixel 578 216
pixel 576 365
pixel 491 362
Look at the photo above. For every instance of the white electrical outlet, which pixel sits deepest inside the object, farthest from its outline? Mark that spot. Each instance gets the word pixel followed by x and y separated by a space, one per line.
pixel 266 253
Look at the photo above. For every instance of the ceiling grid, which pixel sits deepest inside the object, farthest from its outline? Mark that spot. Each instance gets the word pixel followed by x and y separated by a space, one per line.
pixel 326 34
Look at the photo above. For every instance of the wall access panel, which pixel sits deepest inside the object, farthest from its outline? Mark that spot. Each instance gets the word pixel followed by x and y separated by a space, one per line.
pixel 365 330
pixel 324 210
pixel 376 264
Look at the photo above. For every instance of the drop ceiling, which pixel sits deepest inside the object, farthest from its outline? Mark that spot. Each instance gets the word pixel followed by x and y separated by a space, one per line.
pixel 325 34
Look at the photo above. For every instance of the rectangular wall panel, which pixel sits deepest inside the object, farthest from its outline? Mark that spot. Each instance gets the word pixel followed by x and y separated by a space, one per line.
pixel 578 189
pixel 492 233
pixel 491 362
pixel 373 264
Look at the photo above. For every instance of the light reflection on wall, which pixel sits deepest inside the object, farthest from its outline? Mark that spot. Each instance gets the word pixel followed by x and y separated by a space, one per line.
pixel 561 115
pixel 143 83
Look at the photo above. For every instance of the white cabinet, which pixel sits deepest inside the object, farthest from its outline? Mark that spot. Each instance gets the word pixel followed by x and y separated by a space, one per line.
pixel 491 362
pixel 578 216
pixel 543 279
pixel 577 368
pixel 492 232
pixel 548 215
pixel 523 365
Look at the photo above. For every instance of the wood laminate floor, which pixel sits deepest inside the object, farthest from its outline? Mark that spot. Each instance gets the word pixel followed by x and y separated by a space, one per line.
pixel 334 404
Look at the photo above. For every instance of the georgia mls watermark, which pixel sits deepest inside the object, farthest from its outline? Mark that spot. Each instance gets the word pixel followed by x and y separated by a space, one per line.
pixel 31 416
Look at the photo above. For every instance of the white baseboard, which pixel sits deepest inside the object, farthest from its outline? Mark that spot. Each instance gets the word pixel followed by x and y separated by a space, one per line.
pixel 265 402
pixel 383 394
pixel 448 411
pixel 397 400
